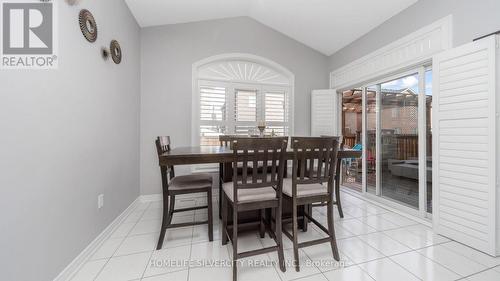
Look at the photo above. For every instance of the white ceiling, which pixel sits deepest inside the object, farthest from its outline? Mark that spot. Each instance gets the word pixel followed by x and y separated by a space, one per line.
pixel 324 25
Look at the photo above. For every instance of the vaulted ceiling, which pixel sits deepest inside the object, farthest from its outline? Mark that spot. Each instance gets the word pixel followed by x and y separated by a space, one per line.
pixel 324 25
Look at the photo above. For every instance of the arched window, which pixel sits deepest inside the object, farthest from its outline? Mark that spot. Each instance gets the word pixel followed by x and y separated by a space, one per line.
pixel 233 93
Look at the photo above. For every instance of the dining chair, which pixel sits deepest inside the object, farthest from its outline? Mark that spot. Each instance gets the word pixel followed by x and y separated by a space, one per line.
pixel 313 167
pixel 225 141
pixel 177 185
pixel 255 191
pixel 336 187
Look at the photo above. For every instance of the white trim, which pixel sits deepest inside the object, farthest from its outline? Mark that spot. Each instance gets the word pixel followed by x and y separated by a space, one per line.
pixel 422 143
pixel 82 258
pixel 238 57
pixel 364 142
pixel 378 138
pixel 159 197
pixel 409 51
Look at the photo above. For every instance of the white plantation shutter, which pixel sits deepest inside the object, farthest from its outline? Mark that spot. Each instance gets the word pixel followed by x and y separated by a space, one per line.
pixel 212 103
pixel 324 113
pixel 246 106
pixel 231 108
pixel 245 113
pixel 464 183
pixel 213 108
pixel 276 112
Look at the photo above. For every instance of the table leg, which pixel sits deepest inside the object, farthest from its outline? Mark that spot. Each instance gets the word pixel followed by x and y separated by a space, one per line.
pixel 337 188
pixel 305 222
pixel 225 175
pixel 221 175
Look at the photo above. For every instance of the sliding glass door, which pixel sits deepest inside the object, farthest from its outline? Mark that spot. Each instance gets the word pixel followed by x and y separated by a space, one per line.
pixel 396 137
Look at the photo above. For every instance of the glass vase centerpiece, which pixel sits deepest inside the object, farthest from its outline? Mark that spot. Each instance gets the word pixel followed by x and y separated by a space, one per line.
pixel 261 126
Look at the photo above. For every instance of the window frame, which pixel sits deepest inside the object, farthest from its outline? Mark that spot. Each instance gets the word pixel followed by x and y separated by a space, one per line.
pixel 199 73
pixel 230 123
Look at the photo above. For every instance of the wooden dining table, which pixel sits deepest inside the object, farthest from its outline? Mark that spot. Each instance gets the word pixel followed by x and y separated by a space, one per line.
pixel 222 155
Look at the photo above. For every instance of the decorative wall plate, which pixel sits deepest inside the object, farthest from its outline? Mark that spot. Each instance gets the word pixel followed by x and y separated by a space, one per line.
pixel 116 51
pixel 88 25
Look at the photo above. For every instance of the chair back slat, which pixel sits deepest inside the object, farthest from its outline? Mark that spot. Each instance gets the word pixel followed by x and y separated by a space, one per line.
pixel 255 150
pixel 319 156
pixel 321 160
pixel 312 162
pixel 274 159
pixel 245 167
pixel 255 166
pixel 264 164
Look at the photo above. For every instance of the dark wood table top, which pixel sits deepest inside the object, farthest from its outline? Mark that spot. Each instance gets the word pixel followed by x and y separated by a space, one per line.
pixel 219 154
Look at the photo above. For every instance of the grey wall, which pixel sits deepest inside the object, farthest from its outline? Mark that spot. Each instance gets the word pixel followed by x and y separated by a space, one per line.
pixel 66 136
pixel 471 19
pixel 167 55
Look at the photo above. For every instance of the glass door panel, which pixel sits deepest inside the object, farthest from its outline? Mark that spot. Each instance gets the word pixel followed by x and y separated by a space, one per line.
pixel 352 128
pixel 398 138
pixel 371 96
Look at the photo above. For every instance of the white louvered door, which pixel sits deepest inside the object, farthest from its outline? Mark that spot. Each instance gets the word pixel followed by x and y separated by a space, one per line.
pixel 464 141
pixel 324 113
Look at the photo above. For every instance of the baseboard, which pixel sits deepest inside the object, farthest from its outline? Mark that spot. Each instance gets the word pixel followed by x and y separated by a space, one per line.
pixel 159 197
pixel 151 198
pixel 80 260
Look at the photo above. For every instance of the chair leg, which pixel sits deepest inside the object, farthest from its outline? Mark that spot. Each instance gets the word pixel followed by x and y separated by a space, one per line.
pixel 224 219
pixel 337 196
pixel 331 230
pixel 165 221
pixel 210 216
pixel 235 242
pixel 272 221
pixel 171 209
pixel 262 229
pixel 295 224
pixel 305 220
pixel 279 238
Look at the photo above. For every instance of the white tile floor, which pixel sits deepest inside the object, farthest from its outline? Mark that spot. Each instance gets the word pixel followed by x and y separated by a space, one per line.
pixel 374 243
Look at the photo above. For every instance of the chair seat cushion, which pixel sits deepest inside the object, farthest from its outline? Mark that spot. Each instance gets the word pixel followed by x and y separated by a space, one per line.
pixel 304 190
pixel 191 181
pixel 250 194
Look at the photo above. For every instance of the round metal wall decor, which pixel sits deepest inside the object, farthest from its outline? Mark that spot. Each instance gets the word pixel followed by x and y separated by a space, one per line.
pixel 116 51
pixel 88 25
